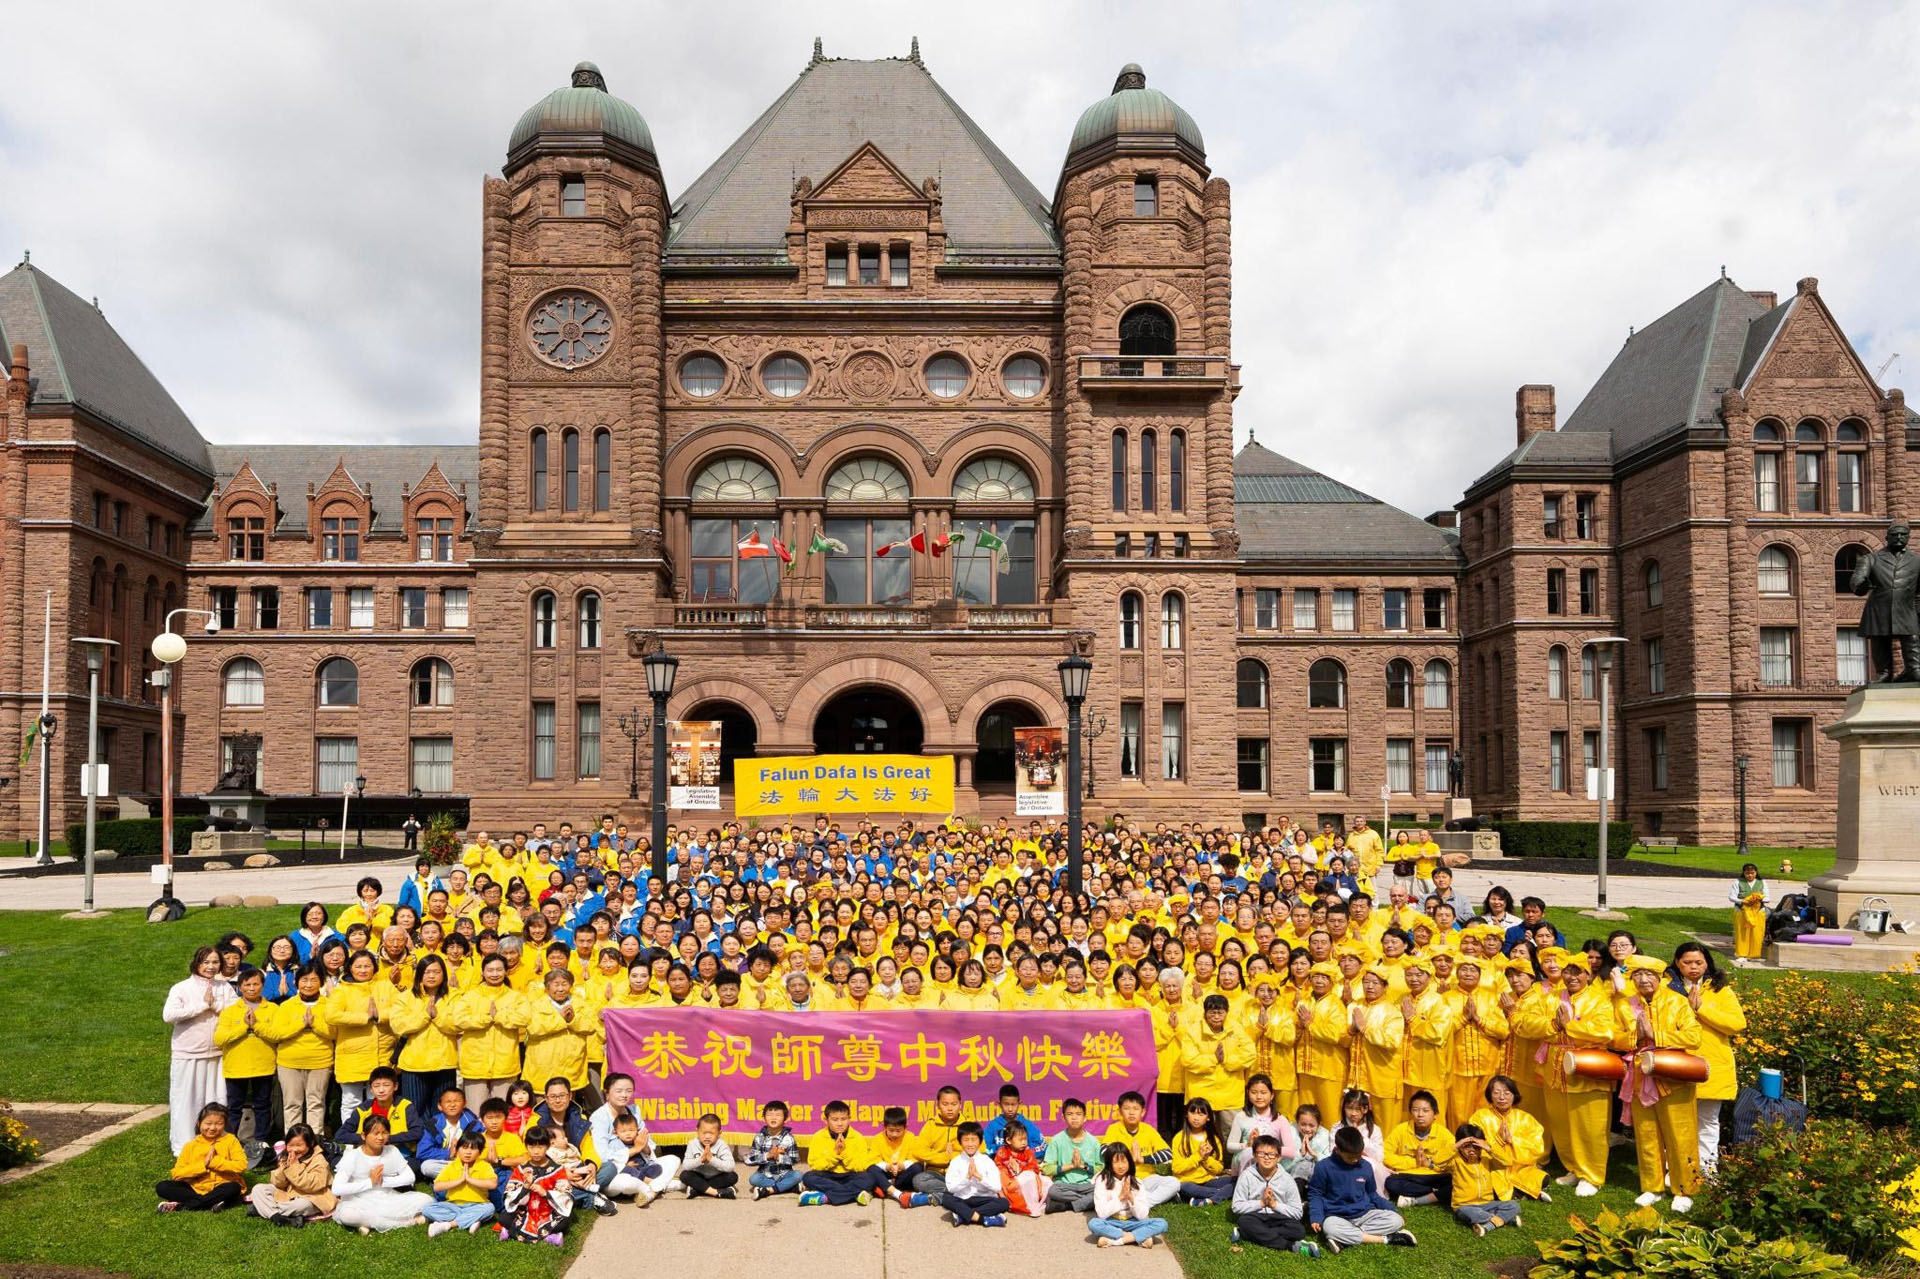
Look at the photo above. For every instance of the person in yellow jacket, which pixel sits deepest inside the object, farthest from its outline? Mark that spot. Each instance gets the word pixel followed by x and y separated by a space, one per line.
pixel 1579 1106
pixel 1721 1018
pixel 1482 1191
pixel 1516 1141
pixel 1663 1110
pixel 357 1011
pixel 1324 1032
pixel 490 1017
pixel 1215 1054
pixel 1479 1037
pixel 1173 1017
pixel 972 994
pixel 560 1031
pixel 302 1052
pixel 638 991
pixel 1529 1007
pixel 423 1017
pixel 838 1160
pixel 1378 1064
pixel 1271 1029
pixel 246 1055
pixel 1026 993
pixel 1418 1153
pixel 1429 1020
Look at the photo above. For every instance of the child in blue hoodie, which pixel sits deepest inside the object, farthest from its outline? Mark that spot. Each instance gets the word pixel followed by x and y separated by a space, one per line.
pixel 1344 1206
pixel 440 1135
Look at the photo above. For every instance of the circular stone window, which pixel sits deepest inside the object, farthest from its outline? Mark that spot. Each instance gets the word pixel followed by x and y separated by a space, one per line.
pixel 570 329
pixel 947 376
pixel 1024 376
pixel 701 376
pixel 784 376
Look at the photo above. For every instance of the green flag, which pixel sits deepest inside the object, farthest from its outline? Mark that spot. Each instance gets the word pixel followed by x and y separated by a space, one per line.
pixel 988 541
pixel 821 545
pixel 26 747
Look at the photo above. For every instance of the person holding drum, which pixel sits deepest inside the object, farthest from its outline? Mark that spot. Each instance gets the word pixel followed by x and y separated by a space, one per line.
pixel 1659 1088
pixel 1721 1018
pixel 1580 1071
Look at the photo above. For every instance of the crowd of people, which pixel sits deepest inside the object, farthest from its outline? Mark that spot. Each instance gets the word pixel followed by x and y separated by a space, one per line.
pixel 1339 1035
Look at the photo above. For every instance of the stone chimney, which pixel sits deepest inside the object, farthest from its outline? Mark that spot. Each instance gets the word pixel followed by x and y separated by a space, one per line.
pixel 1444 519
pixel 1765 297
pixel 1533 411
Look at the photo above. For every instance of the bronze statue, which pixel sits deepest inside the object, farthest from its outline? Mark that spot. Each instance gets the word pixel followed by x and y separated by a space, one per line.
pixel 245 766
pixel 1890 579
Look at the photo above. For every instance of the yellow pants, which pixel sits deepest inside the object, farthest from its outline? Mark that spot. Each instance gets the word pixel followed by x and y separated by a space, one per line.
pixel 1466 1094
pixel 1386 1112
pixel 1749 932
pixel 1439 1096
pixel 1324 1094
pixel 1666 1138
pixel 1577 1125
pixel 1286 1101
pixel 1533 1100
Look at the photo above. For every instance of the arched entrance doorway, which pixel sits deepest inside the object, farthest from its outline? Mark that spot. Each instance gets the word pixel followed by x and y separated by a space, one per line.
pixel 868 721
pixel 739 735
pixel 993 742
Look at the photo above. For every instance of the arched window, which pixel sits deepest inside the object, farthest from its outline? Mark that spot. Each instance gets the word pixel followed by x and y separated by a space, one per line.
pixel 735 479
pixel 1146 330
pixel 1557 673
pixel 1327 684
pixel 590 619
pixel 1589 674
pixel 243 683
pixel 1776 571
pixel 339 682
pixel 993 479
pixel 1844 562
pixel 1173 620
pixel 1766 466
pixel 543 623
pixel 537 485
pixel 570 470
pixel 1119 470
pixel 1809 432
pixel 1251 685
pixel 432 682
pixel 1850 468
pixel 1851 431
pixel 1177 471
pixel 1131 620
pixel 1399 684
pixel 867 479
pixel 1149 468
pixel 1438 678
pixel 1650 578
pixel 1766 433
pixel 603 470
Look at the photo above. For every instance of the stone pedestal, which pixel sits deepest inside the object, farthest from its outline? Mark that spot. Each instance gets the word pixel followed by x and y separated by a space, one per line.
pixel 243 806
pixel 1875 853
pixel 1459 808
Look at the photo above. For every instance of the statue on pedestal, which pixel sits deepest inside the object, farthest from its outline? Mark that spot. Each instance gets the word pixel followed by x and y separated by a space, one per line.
pixel 1890 579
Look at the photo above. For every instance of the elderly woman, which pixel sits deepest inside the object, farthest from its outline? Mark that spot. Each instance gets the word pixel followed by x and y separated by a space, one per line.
pixel 193 1010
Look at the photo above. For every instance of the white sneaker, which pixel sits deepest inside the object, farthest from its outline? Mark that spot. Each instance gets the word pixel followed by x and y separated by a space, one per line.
pixel 674 1185
pixel 438 1228
pixel 643 1196
pixel 1647 1200
pixel 1681 1203
pixel 1403 1201
pixel 1544 1197
pixel 1586 1190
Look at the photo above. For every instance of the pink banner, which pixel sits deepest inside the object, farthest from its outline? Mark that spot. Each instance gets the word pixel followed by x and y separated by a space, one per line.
pixel 686 1062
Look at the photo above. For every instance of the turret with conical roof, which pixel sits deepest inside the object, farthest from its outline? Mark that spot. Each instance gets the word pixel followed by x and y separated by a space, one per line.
pixel 1134 118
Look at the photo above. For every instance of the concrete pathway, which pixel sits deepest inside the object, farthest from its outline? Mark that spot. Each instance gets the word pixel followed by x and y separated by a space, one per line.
pixel 1573 892
pixel 291 884
pixel 678 1236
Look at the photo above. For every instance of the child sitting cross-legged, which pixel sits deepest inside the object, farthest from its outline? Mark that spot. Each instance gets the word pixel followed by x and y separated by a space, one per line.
pixel 539 1195
pixel 1022 1184
pixel 1482 1192
pixel 463 1189
pixel 1343 1204
pixel 211 1171
pixel 707 1167
pixel 839 1168
pixel 1266 1202
pixel 1120 1203
pixel 973 1183
pixel 774 1155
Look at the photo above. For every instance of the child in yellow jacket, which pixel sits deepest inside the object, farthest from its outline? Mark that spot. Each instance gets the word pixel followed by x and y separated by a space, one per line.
pixel 211 1171
pixel 1482 1193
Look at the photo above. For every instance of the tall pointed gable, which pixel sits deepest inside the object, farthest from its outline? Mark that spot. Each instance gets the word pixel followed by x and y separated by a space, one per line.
pixel 866 175
pixel 1804 347
pixel 740 207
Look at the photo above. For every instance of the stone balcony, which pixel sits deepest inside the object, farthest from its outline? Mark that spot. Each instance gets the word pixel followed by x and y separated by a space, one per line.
pixel 943 615
pixel 1159 372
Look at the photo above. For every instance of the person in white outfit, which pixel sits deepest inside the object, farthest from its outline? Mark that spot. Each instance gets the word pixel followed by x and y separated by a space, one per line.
pixel 371 1183
pixel 192 1010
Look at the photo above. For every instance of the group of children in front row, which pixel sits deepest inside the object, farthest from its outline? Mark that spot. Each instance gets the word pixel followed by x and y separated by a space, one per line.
pixel 525 1167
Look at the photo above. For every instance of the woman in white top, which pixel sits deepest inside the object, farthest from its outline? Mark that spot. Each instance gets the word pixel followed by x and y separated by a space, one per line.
pixel 192 1008
pixel 370 1182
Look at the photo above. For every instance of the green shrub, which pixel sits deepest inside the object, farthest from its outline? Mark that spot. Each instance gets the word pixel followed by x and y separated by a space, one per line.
pixel 1827 1185
pixel 1646 1245
pixel 440 842
pixel 1572 840
pixel 133 836
pixel 17 1145
pixel 1859 1044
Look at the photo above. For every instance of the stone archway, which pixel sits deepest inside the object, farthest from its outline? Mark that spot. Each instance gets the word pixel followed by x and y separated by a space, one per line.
pixel 739 735
pixel 993 742
pixel 868 719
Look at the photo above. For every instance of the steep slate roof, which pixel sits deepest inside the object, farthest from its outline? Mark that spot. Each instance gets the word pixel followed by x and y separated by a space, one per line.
pixel 1287 511
pixel 1554 450
pixel 77 358
pixel 742 203
pixel 384 468
pixel 1670 374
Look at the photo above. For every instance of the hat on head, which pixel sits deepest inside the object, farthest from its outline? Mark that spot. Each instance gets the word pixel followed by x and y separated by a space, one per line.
pixel 1325 969
pixel 1578 959
pixel 1645 964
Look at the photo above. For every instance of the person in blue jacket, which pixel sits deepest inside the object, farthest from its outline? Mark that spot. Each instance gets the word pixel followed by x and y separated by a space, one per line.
pixel 441 1134
pixel 1343 1204
pixel 995 1132
pixel 422 882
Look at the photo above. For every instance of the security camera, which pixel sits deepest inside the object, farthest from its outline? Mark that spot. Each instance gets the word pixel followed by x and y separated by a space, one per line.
pixel 213 625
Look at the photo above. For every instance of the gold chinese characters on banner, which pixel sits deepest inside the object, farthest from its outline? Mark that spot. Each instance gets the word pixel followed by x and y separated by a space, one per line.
pixel 843 784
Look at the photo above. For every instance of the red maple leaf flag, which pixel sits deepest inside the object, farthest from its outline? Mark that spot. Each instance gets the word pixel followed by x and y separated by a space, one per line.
pixel 753 547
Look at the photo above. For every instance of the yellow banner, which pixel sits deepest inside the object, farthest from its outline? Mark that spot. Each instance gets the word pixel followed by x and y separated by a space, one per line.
pixel 843 784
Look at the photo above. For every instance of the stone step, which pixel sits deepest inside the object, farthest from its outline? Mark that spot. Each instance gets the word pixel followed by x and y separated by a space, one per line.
pixel 1866 954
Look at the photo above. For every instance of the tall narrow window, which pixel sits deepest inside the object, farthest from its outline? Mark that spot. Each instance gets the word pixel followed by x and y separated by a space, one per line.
pixel 587 731
pixel 836 265
pixel 590 620
pixel 1806 481
pixel 1327 685
pixel 1173 753
pixel 1556 590
pixel 1400 686
pixel 1550 517
pixel 543 730
pixel 1651 576
pixel 1657 758
pixel 573 198
pixel 1131 716
pixel 1393 608
pixel 1177 472
pixel 337 764
pixel 1776 655
pixel 413 607
pixel 1438 678
pixel 1119 470
pixel 1173 620
pixel 1346 609
pixel 432 769
pixel 1556 761
pixel 1400 765
pixel 1583 509
pixel 602 470
pixel 1130 610
pixel 1149 478
pixel 1656 666
pixel 360 607
pixel 1589 679
pixel 1329 756
pixel 1434 605
pixel 1438 758
pixel 869 264
pixel 1589 591
pixel 570 471
pixel 453 608
pixel 1251 685
pixel 1789 770
pixel 1251 758
pixel 1556 673
pixel 1146 196
pixel 1766 482
pixel 537 490
pixel 899 260
pixel 1266 608
pixel 1850 482
pixel 543 619
pixel 1850 656
pixel 1306 609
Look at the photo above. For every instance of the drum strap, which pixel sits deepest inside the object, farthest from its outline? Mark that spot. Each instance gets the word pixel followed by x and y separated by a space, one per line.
pixel 1638 1085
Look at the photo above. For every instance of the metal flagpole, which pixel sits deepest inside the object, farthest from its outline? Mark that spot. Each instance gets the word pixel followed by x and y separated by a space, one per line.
pixel 43 857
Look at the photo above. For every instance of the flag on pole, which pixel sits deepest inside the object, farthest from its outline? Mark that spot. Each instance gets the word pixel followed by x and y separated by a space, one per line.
pixel 26 747
pixel 995 545
pixel 753 548
pixel 785 553
pixel 822 545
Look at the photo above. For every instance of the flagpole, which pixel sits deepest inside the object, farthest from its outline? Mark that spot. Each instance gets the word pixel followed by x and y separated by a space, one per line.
pixel 42 857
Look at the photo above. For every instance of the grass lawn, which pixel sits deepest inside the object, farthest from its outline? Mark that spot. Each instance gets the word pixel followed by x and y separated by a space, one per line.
pixel 1807 862
pixel 97 1212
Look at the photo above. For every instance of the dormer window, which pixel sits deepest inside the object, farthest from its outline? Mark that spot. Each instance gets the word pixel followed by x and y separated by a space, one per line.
pixel 573 197
pixel 836 264
pixel 1146 197
pixel 340 537
pixel 246 535
pixel 869 264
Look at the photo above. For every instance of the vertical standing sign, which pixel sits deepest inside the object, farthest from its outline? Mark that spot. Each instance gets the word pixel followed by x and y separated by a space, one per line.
pixel 693 763
pixel 1039 772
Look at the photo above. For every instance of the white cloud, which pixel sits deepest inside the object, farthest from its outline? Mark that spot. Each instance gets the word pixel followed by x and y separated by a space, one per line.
pixel 1433 204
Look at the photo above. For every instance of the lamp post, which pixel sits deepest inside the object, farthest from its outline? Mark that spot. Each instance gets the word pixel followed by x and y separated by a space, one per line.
pixel 1740 765
pixel 360 793
pixel 1096 725
pixel 633 724
pixel 1603 667
pixel 662 667
pixel 168 649
pixel 96 651
pixel 1074 673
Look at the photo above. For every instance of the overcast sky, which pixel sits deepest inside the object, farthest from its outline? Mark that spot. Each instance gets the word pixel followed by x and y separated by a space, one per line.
pixel 279 205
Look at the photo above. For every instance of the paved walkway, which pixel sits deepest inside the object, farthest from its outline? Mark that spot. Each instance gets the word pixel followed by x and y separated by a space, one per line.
pixel 291 884
pixel 709 1236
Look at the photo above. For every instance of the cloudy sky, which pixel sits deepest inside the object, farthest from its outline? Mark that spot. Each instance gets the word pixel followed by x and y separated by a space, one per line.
pixel 279 205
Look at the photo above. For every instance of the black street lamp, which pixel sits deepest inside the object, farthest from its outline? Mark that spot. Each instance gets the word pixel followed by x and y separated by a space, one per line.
pixel 1096 725
pixel 634 724
pixel 1740 765
pixel 1074 673
pixel 661 667
pixel 360 793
